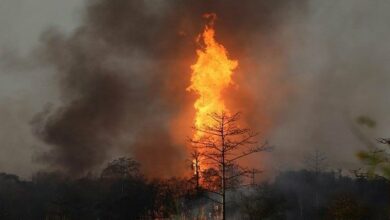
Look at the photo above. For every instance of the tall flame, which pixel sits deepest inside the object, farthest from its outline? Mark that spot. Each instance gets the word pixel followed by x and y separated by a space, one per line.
pixel 211 74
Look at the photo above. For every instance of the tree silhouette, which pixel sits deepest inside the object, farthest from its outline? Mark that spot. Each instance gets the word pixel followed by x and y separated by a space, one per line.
pixel 222 144
pixel 121 168
pixel 316 161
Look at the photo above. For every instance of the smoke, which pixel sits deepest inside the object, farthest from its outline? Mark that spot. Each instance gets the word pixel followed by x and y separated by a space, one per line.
pixel 306 70
pixel 338 63
pixel 124 71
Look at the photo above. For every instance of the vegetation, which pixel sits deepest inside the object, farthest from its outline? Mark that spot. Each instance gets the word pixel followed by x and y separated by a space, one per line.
pixel 377 156
pixel 122 192
pixel 221 145
pixel 290 196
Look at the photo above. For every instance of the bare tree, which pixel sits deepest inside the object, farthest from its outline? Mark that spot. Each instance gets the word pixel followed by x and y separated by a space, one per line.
pixel 121 168
pixel 221 145
pixel 316 161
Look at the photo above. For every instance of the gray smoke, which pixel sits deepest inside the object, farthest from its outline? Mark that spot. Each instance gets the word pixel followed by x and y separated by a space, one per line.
pixel 124 71
pixel 338 63
pixel 307 69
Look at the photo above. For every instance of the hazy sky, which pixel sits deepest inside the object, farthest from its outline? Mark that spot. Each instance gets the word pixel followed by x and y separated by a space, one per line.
pixel 339 60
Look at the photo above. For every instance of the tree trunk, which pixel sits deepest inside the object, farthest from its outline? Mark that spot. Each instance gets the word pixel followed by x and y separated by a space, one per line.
pixel 223 193
pixel 223 173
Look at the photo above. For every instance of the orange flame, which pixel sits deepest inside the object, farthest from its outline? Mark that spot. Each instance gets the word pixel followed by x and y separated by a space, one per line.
pixel 211 74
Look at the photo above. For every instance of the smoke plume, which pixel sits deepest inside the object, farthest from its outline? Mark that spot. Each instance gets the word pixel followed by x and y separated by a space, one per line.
pixel 123 75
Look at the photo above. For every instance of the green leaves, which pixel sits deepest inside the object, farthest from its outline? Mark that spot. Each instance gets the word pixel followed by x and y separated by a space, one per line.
pixel 377 161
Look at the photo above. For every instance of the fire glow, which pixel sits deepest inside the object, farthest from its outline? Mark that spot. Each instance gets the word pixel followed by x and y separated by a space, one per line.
pixel 211 74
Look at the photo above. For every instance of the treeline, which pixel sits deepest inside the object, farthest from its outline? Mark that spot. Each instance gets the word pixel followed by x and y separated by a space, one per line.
pixel 319 195
pixel 121 192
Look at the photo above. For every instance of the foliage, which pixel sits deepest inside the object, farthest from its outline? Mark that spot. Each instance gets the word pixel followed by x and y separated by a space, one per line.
pixel 121 168
pixel 54 196
pixel 290 196
pixel 337 195
pixel 377 158
pixel 266 202
pixel 345 206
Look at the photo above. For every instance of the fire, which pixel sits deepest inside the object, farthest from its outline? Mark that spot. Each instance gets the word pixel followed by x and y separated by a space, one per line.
pixel 211 74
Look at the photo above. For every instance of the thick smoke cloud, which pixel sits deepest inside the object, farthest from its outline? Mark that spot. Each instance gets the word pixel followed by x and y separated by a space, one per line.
pixel 124 71
pixel 306 69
